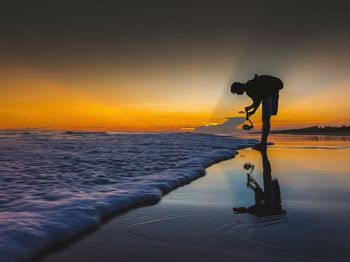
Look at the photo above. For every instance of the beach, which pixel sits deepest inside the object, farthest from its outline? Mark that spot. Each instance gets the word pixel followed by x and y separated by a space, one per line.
pixel 57 185
pixel 306 218
pixel 187 131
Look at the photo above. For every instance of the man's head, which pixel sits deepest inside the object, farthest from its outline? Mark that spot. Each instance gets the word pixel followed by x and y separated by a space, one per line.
pixel 237 88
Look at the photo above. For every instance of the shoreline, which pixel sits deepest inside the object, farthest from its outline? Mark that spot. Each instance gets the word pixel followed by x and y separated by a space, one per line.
pixel 62 247
pixel 313 134
pixel 76 238
pixel 196 222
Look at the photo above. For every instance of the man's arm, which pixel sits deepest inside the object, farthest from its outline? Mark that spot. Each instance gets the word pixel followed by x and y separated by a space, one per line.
pixel 255 105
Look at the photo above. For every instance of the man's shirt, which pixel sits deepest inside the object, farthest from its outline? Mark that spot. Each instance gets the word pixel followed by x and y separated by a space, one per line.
pixel 263 86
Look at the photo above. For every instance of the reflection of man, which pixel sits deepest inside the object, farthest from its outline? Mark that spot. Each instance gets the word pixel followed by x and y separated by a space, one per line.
pixel 263 89
pixel 267 201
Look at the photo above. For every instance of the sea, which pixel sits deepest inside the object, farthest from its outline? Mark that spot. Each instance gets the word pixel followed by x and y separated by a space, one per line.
pixel 288 203
pixel 55 185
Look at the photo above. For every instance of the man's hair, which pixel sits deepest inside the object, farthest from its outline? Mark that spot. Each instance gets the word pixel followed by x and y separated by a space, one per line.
pixel 237 88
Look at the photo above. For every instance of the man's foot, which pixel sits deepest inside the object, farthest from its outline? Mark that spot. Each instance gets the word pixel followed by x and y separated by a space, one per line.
pixel 260 146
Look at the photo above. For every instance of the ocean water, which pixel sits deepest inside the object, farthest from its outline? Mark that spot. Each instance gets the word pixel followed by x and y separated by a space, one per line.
pixel 57 184
pixel 309 220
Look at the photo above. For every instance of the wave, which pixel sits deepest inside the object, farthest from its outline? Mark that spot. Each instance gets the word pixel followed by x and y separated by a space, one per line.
pixel 55 186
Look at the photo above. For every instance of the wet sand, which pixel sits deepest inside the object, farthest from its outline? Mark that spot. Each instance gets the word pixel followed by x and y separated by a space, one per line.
pixel 197 223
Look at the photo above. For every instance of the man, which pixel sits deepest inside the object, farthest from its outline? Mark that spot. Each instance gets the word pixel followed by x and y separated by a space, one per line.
pixel 265 89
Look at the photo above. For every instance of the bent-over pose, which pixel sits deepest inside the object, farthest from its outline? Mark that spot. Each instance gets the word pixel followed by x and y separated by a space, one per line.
pixel 261 89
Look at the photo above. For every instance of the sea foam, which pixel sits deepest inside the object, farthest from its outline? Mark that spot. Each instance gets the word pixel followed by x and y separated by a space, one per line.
pixel 55 185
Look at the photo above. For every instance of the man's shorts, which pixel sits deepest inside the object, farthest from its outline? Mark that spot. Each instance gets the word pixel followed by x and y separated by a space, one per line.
pixel 269 106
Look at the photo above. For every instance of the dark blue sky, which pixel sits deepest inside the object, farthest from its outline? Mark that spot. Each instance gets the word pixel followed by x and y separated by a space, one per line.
pixel 122 29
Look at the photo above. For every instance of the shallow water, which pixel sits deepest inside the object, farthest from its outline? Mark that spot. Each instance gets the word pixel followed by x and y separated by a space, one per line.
pixel 55 185
pixel 197 223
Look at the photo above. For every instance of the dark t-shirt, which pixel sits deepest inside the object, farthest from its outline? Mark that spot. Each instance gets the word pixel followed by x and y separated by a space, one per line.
pixel 263 86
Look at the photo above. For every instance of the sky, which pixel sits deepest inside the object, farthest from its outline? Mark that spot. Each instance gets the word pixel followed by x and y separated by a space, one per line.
pixel 168 65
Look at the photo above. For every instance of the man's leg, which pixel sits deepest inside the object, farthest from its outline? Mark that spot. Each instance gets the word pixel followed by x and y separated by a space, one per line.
pixel 265 130
pixel 269 107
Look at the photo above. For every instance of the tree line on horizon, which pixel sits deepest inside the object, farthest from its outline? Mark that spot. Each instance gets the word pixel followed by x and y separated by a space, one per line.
pixel 315 129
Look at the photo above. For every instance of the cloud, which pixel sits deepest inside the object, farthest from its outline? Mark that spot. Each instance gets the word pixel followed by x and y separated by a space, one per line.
pixel 226 128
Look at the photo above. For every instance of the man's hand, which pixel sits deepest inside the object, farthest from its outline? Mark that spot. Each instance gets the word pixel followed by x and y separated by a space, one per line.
pixel 254 106
pixel 250 113
pixel 247 108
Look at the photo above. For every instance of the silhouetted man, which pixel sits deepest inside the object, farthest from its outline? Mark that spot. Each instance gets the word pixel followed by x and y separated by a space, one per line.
pixel 265 89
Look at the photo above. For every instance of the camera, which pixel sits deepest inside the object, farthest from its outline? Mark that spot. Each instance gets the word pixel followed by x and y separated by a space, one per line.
pixel 248 127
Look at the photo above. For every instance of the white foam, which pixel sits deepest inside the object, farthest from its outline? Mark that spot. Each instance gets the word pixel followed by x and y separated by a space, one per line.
pixel 55 185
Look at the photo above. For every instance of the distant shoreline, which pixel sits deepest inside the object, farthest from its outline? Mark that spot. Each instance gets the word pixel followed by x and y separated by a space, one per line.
pixel 316 130
pixel 311 133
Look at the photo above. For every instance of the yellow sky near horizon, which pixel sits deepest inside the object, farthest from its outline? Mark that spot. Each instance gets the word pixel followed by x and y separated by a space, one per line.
pixel 141 66
pixel 175 101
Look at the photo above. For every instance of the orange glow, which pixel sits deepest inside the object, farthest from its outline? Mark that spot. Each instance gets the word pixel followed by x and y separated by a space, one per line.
pixel 35 100
pixel 29 102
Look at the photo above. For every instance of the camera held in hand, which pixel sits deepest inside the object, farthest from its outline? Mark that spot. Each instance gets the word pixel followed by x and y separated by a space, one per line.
pixel 248 123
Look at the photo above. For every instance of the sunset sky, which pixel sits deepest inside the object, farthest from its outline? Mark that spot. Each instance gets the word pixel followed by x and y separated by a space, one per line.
pixel 168 65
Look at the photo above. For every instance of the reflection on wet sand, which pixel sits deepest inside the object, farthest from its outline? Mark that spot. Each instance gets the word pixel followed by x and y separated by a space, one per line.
pixel 267 200
pixel 195 222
